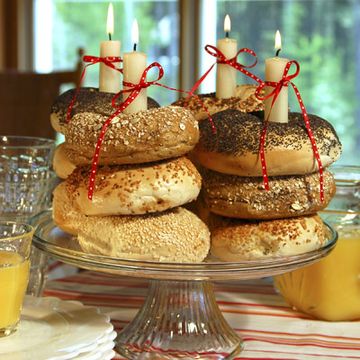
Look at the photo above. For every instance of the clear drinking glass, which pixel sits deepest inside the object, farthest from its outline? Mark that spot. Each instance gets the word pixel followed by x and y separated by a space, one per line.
pixel 15 247
pixel 26 183
pixel 25 176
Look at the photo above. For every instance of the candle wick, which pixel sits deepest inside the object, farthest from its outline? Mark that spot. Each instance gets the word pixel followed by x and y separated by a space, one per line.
pixel 110 36
pixel 277 52
pixel 135 45
pixel 226 34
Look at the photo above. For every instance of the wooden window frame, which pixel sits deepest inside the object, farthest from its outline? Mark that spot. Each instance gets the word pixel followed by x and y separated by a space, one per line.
pixel 189 51
pixel 16 35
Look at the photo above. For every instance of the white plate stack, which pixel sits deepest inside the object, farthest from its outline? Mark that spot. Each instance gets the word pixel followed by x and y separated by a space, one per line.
pixel 53 329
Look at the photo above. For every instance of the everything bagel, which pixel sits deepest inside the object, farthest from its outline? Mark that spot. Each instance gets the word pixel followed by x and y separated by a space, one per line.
pixel 234 149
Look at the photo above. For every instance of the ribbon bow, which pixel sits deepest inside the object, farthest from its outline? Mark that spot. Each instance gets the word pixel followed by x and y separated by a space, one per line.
pixel 221 59
pixel 134 89
pixel 285 81
pixel 107 60
pixel 92 60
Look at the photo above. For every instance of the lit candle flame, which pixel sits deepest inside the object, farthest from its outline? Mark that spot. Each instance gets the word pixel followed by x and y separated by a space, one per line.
pixel 110 20
pixel 135 32
pixel 277 40
pixel 227 23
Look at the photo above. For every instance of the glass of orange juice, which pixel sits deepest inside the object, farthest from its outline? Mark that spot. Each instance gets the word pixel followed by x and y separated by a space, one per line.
pixel 15 246
pixel 330 289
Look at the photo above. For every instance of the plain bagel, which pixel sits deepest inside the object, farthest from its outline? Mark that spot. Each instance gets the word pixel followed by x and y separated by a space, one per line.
pixel 135 189
pixel 141 137
pixel 237 240
pixel 234 149
pixel 88 99
pixel 246 198
pixel 244 100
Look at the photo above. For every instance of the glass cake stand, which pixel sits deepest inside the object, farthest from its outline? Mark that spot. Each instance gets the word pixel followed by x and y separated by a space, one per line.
pixel 180 317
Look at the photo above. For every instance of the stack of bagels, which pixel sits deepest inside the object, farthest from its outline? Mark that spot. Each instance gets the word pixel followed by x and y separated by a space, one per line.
pixel 142 180
pixel 247 221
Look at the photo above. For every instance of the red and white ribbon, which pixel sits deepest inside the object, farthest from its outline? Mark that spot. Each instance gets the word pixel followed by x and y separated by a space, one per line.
pixel 285 81
pixel 134 90
pixel 221 59
pixel 92 60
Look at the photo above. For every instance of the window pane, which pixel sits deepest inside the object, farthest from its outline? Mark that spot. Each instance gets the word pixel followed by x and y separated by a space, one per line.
pixel 323 35
pixel 82 23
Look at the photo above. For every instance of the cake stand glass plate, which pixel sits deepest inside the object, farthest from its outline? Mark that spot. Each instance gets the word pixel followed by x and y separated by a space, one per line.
pixel 180 317
pixel 53 329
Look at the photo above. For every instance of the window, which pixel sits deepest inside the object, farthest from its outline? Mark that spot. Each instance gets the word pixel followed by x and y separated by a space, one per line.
pixel 62 26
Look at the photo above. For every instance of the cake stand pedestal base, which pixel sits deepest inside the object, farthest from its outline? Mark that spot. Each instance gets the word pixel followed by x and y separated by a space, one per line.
pixel 179 320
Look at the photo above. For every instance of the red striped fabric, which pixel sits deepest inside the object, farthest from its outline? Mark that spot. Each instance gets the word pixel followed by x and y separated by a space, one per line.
pixel 270 328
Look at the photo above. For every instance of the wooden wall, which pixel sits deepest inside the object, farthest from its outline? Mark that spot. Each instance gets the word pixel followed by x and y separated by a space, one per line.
pixel 16 35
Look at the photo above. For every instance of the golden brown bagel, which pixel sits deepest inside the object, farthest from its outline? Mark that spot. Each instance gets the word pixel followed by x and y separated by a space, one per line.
pixel 141 137
pixel 246 197
pixel 237 240
pixel 131 189
pixel 176 235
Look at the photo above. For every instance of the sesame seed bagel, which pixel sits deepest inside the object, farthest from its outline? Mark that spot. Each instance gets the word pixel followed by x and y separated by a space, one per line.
pixel 145 136
pixel 234 149
pixel 129 189
pixel 246 197
pixel 88 99
pixel 62 165
pixel 175 235
pixel 237 240
pixel 244 100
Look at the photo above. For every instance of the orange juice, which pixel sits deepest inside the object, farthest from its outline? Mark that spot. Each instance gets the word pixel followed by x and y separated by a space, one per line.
pixel 14 274
pixel 330 288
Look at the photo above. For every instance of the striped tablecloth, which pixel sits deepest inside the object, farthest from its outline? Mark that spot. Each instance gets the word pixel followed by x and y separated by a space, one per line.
pixel 270 329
